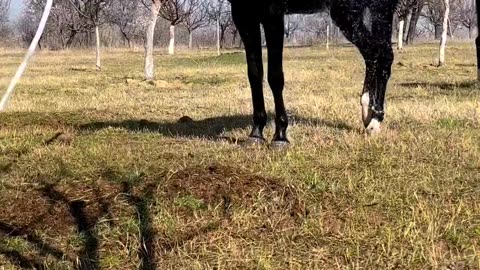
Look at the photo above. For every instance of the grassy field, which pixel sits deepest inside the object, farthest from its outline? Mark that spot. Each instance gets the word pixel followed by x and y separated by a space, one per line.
pixel 101 170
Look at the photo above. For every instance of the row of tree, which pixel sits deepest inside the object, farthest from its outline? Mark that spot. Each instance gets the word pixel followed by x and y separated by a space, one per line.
pixel 74 23
pixel 85 23
pixel 417 17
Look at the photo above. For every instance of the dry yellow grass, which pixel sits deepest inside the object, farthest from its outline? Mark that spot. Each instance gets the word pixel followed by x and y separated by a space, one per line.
pixel 122 184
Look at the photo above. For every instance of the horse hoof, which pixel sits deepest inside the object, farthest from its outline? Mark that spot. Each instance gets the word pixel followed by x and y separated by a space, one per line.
pixel 255 141
pixel 279 145
pixel 373 128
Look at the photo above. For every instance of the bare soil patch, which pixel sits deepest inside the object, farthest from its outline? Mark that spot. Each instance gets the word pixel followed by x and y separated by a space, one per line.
pixel 220 185
pixel 56 208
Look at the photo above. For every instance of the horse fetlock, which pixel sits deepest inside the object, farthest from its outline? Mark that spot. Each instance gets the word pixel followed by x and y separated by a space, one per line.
pixel 257 132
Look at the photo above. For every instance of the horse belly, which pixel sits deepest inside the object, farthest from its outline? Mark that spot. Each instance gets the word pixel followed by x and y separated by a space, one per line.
pixel 306 6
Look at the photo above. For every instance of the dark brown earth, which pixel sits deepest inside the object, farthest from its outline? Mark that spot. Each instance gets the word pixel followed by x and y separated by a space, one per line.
pixel 215 185
pixel 56 208
pixel 65 209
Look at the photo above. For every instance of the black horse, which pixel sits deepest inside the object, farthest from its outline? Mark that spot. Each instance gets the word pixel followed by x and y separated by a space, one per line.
pixel 373 43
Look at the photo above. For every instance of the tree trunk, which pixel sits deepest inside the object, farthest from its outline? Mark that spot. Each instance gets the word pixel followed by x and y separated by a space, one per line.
pixel 477 2
pixel 218 36
pixel 149 64
pixel 406 25
pixel 416 12
pixel 190 40
pixel 401 24
pixel 328 36
pixel 127 39
pixel 171 46
pixel 443 42
pixel 439 30
pixel 70 39
pixel 450 32
pixel 223 31
pixel 97 39
pixel 234 39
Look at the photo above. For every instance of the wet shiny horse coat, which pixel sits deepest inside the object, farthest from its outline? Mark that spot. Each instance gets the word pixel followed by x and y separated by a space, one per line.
pixel 373 43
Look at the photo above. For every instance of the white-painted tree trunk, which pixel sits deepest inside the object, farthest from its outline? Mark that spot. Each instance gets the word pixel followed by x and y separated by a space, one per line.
pixel 97 39
pixel 149 64
pixel 401 25
pixel 190 40
pixel 328 36
pixel 443 42
pixel 218 36
pixel 171 46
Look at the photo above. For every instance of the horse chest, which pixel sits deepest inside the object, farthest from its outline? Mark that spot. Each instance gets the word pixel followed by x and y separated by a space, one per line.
pixel 284 6
pixel 305 6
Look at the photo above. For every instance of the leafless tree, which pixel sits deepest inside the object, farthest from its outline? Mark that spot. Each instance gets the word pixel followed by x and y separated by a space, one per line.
pixel 292 25
pixel 176 12
pixel 317 25
pixel 404 9
pixel 70 18
pixel 465 13
pixel 154 7
pixel 416 11
pixel 434 13
pixel 197 17
pixel 4 8
pixel 27 27
pixel 63 25
pixel 220 14
pixel 129 17
pixel 443 42
pixel 92 12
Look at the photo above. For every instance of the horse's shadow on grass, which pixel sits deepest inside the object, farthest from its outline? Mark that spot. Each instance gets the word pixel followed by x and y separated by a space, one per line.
pixel 88 257
pixel 211 128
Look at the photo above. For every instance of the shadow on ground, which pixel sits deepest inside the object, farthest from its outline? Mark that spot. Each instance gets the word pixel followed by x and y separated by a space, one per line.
pixel 467 87
pixel 46 216
pixel 211 128
pixel 47 209
pixel 54 210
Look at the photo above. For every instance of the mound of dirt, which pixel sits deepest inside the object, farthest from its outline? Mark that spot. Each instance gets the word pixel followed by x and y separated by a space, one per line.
pixel 220 185
pixel 233 203
pixel 218 200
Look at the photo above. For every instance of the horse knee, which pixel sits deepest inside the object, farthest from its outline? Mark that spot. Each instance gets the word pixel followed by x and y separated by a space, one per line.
pixel 255 70
pixel 276 80
pixel 387 56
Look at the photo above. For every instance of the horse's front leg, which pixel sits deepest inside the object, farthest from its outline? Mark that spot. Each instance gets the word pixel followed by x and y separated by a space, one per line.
pixel 249 30
pixel 274 34
pixel 382 31
pixel 376 49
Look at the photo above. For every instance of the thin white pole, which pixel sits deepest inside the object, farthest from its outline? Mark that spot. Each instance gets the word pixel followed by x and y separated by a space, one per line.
pixel 31 51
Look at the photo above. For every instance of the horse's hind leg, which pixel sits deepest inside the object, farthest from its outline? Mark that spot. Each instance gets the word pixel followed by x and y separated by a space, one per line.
pixel 376 49
pixel 249 29
pixel 274 35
